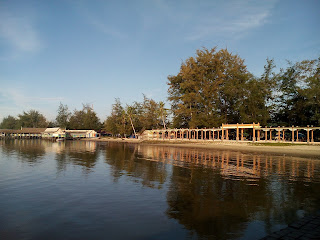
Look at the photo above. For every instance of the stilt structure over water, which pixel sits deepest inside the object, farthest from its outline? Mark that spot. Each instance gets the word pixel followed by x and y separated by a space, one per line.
pixel 236 132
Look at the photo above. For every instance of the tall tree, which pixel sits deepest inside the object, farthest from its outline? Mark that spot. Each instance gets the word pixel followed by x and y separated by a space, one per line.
pixel 130 110
pixel 9 122
pixel 299 94
pixel 162 113
pixel 33 119
pixel 116 122
pixel 149 117
pixel 63 116
pixel 209 89
pixel 85 119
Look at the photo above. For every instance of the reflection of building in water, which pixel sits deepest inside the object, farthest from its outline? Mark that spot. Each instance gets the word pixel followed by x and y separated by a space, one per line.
pixel 60 147
pixel 235 165
pixel 84 146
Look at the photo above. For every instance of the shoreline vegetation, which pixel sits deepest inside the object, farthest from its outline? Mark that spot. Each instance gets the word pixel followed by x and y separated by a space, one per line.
pixel 311 150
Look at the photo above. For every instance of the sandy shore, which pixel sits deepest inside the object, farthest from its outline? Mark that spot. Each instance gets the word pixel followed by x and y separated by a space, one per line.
pixel 302 150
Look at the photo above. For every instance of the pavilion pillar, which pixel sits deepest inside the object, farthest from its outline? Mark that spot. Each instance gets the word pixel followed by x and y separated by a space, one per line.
pixel 254 133
pixel 218 134
pixel 308 134
pixel 197 133
pixel 283 136
pixel 270 134
pixel 265 134
pixel 297 135
pixel 258 135
pixel 278 134
pixel 227 134
pixel 292 133
pixel 222 134
pixel 242 130
pixel 311 135
pixel 237 137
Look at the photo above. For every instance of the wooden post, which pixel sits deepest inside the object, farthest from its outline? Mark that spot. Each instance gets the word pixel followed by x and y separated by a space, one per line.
pixel 292 134
pixel 270 134
pixel 297 135
pixel 254 133
pixel 308 134
pixel 258 135
pixel 242 130
pixel 265 134
pixel 227 134
pixel 222 134
pixel 283 137
pixel 218 134
pixel 311 135
pixel 197 133
pixel 278 134
pixel 237 137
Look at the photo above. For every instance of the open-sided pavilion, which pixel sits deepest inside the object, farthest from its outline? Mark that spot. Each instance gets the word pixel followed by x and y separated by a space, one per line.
pixel 237 132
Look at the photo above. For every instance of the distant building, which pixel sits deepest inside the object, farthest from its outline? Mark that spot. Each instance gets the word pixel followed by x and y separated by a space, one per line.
pixel 47 133
pixel 54 133
pixel 81 133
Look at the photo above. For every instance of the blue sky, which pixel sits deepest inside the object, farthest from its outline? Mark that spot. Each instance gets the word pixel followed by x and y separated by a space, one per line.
pixel 78 52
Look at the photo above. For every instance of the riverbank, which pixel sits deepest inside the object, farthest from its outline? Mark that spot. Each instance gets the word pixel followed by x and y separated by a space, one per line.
pixel 301 150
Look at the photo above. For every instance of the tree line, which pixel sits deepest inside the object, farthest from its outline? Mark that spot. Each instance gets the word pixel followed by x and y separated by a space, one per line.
pixel 215 87
pixel 136 117
pixel 86 118
pixel 211 88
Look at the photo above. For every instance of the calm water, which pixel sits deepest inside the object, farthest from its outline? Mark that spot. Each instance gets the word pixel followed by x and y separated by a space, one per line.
pixel 88 190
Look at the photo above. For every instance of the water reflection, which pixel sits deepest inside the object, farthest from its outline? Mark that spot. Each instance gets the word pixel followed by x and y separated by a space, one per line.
pixel 124 159
pixel 27 151
pixel 80 153
pixel 211 193
pixel 219 193
pixel 235 165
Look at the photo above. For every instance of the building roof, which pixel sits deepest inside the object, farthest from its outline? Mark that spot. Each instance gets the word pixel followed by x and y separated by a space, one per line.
pixel 24 130
pixel 32 130
pixel 51 130
pixel 78 131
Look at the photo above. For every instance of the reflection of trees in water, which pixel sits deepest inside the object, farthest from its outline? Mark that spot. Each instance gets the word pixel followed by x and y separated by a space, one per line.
pixel 217 193
pixel 80 153
pixel 28 150
pixel 124 159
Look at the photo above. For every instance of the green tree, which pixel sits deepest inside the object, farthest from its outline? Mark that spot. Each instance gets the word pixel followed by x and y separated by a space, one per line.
pixel 299 94
pixel 258 105
pixel 149 117
pixel 130 111
pixel 33 119
pixel 209 89
pixel 9 122
pixel 116 122
pixel 85 119
pixel 63 116
pixel 162 113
